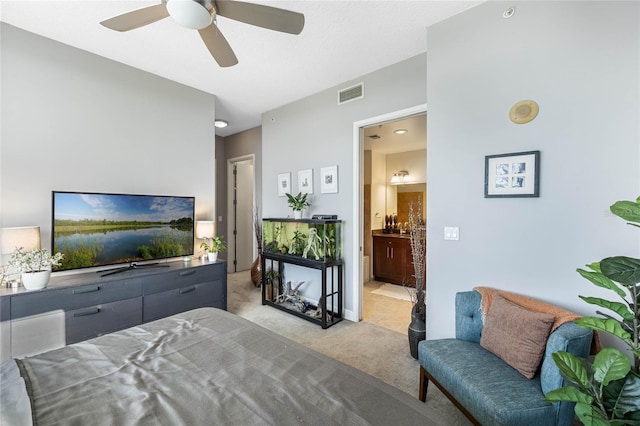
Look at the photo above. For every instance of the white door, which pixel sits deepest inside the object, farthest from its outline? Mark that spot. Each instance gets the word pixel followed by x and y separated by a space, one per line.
pixel 241 232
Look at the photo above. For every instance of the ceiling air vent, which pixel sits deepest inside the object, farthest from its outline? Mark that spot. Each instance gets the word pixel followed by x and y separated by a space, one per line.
pixel 374 137
pixel 351 93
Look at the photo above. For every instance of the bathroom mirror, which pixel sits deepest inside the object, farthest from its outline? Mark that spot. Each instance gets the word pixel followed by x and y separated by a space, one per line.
pixel 400 196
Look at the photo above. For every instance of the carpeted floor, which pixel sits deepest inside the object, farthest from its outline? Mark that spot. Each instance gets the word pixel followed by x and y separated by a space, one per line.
pixel 374 349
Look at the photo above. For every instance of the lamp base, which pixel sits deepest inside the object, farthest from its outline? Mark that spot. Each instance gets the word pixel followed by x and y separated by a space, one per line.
pixel 13 284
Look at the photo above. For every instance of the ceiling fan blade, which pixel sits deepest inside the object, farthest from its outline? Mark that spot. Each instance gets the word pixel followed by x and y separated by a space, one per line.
pixel 137 18
pixel 259 15
pixel 218 46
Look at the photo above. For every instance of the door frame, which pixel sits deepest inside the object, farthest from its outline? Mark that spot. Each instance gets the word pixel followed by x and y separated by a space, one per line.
pixel 230 162
pixel 358 207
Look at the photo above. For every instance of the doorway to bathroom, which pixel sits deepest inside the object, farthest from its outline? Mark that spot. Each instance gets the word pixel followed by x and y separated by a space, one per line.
pixel 391 153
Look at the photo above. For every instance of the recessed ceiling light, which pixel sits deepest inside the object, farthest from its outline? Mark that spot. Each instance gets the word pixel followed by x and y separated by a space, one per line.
pixel 220 124
pixel 400 131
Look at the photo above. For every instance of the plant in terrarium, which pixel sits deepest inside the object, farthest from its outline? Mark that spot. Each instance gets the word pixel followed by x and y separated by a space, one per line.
pixel 298 243
pixel 271 232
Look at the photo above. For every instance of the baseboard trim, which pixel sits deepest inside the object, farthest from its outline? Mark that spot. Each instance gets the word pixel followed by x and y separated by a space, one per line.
pixel 350 316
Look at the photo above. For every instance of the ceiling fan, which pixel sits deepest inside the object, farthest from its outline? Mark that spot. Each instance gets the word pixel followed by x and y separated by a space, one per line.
pixel 201 15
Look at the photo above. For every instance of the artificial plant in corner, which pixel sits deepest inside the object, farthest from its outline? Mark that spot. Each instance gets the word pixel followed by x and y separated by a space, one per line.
pixel 607 390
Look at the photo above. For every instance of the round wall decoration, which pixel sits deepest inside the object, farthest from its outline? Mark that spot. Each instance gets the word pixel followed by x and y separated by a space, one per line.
pixel 523 111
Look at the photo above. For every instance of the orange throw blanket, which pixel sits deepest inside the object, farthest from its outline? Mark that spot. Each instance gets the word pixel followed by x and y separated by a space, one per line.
pixel 562 315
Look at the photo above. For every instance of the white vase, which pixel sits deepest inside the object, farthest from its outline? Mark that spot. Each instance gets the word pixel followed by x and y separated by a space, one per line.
pixel 35 280
pixel 212 256
pixel 297 214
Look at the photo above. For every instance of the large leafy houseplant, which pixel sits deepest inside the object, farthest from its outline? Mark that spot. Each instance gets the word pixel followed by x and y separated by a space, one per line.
pixel 607 390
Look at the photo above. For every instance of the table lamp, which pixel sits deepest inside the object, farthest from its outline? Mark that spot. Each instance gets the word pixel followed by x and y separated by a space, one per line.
pixel 11 239
pixel 205 231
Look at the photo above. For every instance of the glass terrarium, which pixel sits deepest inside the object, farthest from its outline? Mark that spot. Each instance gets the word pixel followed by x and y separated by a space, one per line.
pixel 313 239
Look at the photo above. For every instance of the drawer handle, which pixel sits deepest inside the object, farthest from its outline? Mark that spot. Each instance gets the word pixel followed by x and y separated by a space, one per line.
pixel 187 289
pixel 88 311
pixel 87 289
pixel 187 273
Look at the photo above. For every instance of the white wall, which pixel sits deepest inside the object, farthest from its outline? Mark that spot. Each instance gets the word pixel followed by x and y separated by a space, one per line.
pixel 580 62
pixel 75 121
pixel 241 144
pixel 315 132
pixel 378 191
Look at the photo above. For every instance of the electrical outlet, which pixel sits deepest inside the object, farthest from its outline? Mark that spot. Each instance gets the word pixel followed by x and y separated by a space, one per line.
pixel 451 233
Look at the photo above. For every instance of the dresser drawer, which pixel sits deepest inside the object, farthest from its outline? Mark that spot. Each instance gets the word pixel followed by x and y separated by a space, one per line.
pixel 159 305
pixel 88 322
pixel 182 278
pixel 26 304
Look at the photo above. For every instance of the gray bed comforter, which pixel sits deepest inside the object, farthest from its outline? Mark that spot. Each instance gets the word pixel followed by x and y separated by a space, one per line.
pixel 202 367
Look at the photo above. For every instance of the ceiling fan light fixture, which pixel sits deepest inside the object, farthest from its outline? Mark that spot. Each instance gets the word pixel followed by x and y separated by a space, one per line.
pixel 220 124
pixel 189 13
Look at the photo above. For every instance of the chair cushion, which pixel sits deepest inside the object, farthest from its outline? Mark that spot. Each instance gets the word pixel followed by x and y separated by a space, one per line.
pixel 485 385
pixel 516 335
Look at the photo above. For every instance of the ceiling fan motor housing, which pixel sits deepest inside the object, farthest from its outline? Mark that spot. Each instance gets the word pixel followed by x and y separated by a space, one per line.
pixel 194 14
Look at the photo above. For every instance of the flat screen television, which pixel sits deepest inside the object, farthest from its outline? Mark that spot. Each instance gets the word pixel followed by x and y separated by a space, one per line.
pixel 98 229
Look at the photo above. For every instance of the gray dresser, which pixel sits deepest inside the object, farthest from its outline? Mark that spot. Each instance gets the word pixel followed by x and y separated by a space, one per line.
pixel 81 306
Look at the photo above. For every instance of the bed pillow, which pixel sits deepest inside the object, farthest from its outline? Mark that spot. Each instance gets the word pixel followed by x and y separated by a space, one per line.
pixel 517 335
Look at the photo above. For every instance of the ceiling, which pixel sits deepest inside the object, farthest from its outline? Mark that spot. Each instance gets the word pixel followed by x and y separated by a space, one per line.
pixel 382 138
pixel 341 41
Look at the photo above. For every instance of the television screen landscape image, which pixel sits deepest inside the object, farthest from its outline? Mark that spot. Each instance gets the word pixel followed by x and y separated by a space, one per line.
pixel 95 229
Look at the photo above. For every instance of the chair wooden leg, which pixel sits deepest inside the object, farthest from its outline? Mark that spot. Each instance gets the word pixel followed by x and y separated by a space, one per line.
pixel 425 377
pixel 424 383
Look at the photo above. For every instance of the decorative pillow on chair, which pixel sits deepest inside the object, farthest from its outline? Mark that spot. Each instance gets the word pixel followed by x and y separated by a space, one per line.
pixel 517 335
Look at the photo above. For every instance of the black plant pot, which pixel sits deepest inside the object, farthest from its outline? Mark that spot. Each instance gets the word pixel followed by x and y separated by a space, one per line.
pixel 417 332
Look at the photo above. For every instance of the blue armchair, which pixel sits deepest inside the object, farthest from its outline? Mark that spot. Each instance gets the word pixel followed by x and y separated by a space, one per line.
pixel 484 387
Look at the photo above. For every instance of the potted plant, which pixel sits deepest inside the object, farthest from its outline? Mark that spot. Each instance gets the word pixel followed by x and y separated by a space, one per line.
pixel 34 266
pixel 607 390
pixel 271 282
pixel 298 203
pixel 212 249
pixel 417 235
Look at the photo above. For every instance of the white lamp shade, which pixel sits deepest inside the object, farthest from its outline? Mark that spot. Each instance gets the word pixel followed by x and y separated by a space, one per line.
pixel 204 229
pixel 27 237
pixel 189 13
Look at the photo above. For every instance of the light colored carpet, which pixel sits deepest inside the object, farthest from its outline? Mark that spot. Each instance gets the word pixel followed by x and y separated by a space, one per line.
pixel 376 350
pixel 392 290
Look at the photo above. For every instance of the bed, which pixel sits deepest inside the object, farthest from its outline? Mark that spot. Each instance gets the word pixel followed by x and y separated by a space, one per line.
pixel 200 367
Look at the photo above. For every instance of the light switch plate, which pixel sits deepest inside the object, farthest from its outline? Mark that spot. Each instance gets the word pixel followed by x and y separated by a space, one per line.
pixel 451 233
